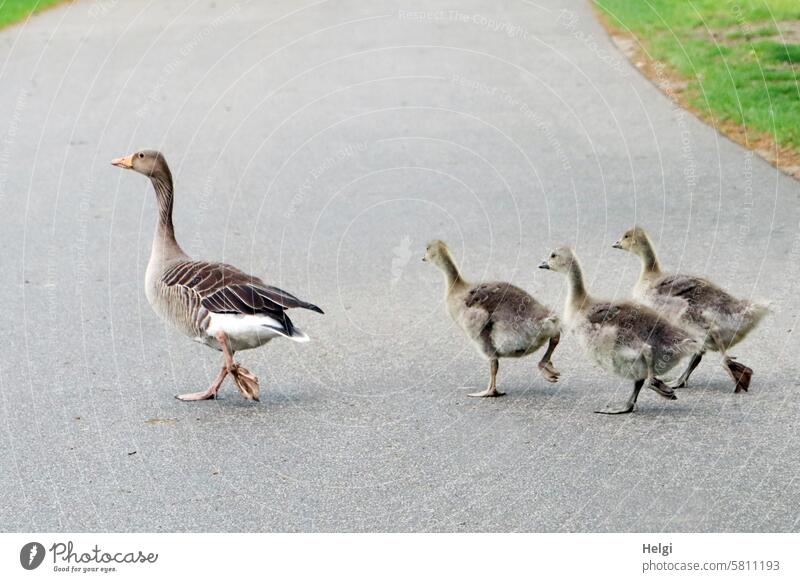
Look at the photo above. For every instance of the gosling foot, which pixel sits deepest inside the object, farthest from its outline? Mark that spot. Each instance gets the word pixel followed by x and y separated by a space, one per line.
pixel 246 382
pixel 678 384
pixel 488 393
pixel 625 409
pixel 661 388
pixel 549 372
pixel 740 374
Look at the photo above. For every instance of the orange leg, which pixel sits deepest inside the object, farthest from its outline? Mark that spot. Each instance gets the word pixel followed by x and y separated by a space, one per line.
pixel 246 382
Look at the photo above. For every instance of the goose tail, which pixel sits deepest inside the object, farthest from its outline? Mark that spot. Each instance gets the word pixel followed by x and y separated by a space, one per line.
pixel 298 336
pixel 311 307
pixel 293 334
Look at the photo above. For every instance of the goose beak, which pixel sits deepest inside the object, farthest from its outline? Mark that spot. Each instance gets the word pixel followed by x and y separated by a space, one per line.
pixel 544 265
pixel 617 245
pixel 126 162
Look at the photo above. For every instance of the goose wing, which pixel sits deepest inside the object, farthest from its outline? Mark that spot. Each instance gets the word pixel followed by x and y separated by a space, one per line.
pixel 223 288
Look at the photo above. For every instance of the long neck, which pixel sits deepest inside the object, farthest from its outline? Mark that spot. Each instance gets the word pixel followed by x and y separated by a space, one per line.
pixel 451 273
pixel 165 246
pixel 577 288
pixel 650 265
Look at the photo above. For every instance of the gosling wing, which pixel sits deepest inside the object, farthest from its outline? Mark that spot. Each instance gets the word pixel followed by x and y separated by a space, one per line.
pixel 500 299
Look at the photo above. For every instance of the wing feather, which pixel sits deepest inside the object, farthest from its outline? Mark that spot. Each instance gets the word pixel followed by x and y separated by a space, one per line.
pixel 223 288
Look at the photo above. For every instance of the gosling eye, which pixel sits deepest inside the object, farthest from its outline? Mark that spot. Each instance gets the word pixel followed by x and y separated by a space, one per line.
pixel 141 155
pixel 552 255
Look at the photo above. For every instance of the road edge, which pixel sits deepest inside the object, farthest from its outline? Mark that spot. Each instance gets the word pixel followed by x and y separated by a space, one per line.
pixel 673 85
pixel 34 13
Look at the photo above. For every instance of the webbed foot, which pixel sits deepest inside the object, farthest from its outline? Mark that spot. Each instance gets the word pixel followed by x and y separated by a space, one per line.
pixel 740 374
pixel 194 396
pixel 549 372
pixel 246 382
pixel 488 393
pixel 661 389
pixel 209 393
pixel 616 409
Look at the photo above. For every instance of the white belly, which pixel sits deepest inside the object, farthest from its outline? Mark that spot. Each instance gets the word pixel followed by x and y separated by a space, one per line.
pixel 244 331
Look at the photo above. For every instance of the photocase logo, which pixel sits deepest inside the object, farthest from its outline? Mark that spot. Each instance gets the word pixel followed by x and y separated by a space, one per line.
pixel 31 555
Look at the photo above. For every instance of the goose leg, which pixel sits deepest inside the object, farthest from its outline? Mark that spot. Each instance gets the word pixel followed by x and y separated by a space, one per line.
pixel 206 394
pixel 739 373
pixel 546 367
pixel 246 382
pixel 629 404
pixel 683 380
pixel 491 390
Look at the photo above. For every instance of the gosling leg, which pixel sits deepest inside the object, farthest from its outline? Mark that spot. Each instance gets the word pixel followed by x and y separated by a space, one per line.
pixel 629 404
pixel 656 385
pixel 206 394
pixel 683 380
pixel 546 367
pixel 491 390
pixel 246 382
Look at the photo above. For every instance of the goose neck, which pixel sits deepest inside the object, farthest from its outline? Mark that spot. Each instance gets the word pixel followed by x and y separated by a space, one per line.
pixel 164 244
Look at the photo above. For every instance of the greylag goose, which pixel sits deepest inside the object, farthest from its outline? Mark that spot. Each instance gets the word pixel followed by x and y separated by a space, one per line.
pixel 624 338
pixel 718 318
pixel 213 303
pixel 502 320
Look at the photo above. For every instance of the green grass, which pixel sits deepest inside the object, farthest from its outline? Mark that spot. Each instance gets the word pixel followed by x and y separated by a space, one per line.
pixel 743 73
pixel 12 11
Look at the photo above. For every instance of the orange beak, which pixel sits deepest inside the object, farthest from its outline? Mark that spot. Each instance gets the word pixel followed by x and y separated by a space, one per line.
pixel 126 162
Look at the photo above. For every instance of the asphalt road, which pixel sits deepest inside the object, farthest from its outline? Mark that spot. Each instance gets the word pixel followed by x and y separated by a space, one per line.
pixel 320 147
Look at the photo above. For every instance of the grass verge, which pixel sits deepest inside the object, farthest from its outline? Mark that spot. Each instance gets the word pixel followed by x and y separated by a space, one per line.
pixel 735 63
pixel 12 11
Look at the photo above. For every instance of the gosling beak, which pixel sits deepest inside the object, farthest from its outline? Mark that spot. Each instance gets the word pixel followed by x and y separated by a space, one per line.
pixel 544 265
pixel 617 245
pixel 126 162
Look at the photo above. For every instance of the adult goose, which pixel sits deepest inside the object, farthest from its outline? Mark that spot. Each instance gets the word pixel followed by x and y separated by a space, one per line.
pixel 624 338
pixel 502 320
pixel 213 303
pixel 701 307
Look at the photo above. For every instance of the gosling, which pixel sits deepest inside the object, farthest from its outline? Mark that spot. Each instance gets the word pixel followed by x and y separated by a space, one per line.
pixel 624 338
pixel 716 317
pixel 502 320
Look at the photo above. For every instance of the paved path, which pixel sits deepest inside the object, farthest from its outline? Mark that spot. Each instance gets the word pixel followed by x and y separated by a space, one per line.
pixel 321 147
